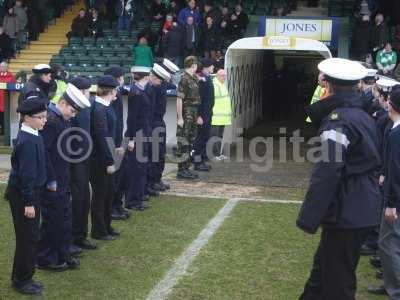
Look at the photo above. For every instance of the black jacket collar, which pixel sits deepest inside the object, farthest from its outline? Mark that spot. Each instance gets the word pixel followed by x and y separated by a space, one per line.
pixel 321 109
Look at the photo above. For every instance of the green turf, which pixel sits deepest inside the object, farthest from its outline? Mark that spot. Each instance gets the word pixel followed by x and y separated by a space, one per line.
pixel 127 268
pixel 258 253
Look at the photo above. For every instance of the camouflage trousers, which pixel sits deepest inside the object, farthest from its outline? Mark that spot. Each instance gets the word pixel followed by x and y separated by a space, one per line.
pixel 186 136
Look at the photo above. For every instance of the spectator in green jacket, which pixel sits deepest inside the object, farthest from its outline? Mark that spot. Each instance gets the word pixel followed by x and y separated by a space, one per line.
pixel 386 60
pixel 143 54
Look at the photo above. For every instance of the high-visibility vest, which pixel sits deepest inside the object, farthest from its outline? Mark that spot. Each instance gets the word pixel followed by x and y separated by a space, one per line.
pixel 222 110
pixel 319 94
pixel 61 88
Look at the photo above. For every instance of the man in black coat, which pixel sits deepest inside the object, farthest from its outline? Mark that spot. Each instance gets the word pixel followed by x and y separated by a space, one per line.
pixel 39 84
pixel 80 169
pixel 191 37
pixel 343 197
pixel 206 89
pixel 173 45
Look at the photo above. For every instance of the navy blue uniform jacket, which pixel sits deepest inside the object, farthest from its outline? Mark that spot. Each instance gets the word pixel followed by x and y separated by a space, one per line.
pixel 102 128
pixel 392 172
pixel 343 191
pixel 55 143
pixel 28 170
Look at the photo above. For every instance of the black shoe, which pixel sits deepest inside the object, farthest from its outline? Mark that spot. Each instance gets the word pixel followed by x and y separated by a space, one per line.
pixel 367 251
pixel 38 284
pixel 185 174
pixel 106 238
pixel 28 289
pixel 113 232
pixel 124 211
pixel 158 187
pixel 167 186
pixel 116 215
pixel 152 192
pixel 73 263
pixel 202 167
pixel 141 207
pixel 55 268
pixel 194 174
pixel 377 291
pixel 379 274
pixel 375 261
pixel 85 244
pixel 74 250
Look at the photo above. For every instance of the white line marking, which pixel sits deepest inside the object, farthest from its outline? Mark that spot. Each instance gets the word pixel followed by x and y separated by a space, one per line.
pixel 178 270
pixel 236 198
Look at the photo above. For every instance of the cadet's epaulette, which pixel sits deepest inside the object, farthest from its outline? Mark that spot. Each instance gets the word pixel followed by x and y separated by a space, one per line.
pixel 334 116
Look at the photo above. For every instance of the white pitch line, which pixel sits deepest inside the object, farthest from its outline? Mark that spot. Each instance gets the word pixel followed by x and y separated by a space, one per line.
pixel 178 270
pixel 236 198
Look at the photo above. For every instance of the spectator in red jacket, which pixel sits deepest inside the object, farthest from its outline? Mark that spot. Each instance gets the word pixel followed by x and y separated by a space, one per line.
pixel 7 77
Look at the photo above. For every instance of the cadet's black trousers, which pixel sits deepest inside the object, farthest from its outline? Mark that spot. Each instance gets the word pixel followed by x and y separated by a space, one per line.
pixel 333 274
pixel 26 238
pixel 80 194
pixel 200 145
pixel 103 196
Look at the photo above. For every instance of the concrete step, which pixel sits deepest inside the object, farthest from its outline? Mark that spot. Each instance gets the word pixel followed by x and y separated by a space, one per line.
pixel 50 42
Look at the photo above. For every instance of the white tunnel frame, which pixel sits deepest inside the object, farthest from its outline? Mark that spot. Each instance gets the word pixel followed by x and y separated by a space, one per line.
pixel 244 65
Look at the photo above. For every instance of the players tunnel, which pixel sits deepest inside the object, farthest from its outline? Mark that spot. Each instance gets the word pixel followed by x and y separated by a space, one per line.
pixel 271 80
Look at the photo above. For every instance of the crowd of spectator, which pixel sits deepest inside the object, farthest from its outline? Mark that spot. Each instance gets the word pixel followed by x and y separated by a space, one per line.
pixel 174 30
pixel 376 35
pixel 23 20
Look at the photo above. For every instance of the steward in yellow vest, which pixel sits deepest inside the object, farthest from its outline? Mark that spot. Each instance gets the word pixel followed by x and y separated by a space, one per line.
pixel 222 113
pixel 222 110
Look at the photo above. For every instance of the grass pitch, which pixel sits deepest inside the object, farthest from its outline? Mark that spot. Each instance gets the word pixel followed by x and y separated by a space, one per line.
pixel 258 253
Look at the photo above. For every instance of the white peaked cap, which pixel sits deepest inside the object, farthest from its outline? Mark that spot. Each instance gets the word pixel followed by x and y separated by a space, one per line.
pixel 342 69
pixel 161 72
pixel 75 97
pixel 173 68
pixel 140 69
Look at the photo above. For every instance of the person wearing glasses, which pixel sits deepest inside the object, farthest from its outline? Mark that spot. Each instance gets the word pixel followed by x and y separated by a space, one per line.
pixel 27 180
pixel 56 232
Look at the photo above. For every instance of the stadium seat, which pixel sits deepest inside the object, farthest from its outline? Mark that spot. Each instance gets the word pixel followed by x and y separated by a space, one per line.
pixel 75 41
pixel 85 60
pixel 94 51
pixel 114 60
pixel 108 51
pixel 66 51
pixel 101 41
pixel 122 51
pixel 78 50
pixel 71 61
pixel 123 33
pixel 89 41
pixel 128 41
pixel 57 59
pixel 108 33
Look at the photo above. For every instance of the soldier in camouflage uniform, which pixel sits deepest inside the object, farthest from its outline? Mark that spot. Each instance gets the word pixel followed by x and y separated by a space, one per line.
pixel 188 101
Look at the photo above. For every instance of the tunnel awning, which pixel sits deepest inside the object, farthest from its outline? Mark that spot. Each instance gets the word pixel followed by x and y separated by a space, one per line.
pixel 281 43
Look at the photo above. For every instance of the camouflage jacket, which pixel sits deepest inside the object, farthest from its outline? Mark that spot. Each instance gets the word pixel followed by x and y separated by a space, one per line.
pixel 188 90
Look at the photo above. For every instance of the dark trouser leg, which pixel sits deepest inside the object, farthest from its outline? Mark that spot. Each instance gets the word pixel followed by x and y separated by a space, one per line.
pixel 26 238
pixel 119 185
pixel 157 166
pixel 99 182
pixel 109 201
pixel 80 193
pixel 137 177
pixel 200 145
pixel 217 132
pixel 334 271
pixel 51 247
pixel 389 244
